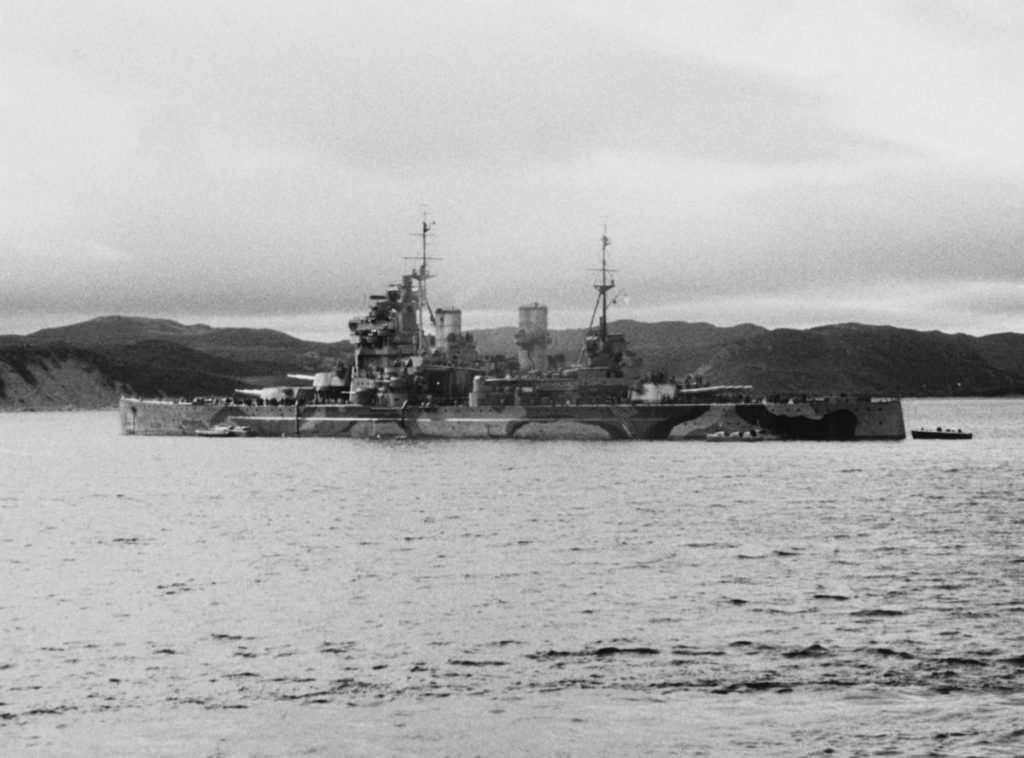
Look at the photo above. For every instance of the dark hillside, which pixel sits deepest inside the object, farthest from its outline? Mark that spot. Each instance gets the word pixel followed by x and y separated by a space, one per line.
pixel 166 369
pixel 55 376
pixel 677 348
pixel 266 351
pixel 238 337
pixel 852 358
pixel 1004 351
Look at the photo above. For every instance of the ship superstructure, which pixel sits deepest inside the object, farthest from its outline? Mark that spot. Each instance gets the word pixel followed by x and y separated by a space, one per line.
pixel 397 361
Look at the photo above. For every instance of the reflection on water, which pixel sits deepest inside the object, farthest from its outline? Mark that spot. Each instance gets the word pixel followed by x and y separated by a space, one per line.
pixel 175 596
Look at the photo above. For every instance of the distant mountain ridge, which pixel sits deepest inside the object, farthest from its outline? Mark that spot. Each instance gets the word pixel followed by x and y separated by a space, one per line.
pixel 125 330
pixel 118 330
pixel 89 364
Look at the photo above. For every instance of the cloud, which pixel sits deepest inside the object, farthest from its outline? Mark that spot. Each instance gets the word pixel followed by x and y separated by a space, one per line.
pixel 262 160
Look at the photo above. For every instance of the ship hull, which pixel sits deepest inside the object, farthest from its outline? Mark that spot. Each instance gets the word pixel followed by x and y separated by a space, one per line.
pixel 826 419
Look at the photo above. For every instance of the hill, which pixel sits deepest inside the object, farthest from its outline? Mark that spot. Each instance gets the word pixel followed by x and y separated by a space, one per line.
pixel 56 377
pixel 1004 351
pixel 90 364
pixel 835 359
pixel 118 330
pixel 266 351
pixel 853 358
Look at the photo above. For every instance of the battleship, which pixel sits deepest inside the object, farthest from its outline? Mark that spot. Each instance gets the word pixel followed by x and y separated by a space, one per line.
pixel 416 374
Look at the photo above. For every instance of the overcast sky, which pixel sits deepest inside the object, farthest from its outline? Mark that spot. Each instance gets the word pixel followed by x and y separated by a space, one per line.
pixel 269 163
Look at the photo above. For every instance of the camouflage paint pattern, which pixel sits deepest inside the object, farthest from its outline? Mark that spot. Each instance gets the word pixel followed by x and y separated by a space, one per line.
pixel 823 419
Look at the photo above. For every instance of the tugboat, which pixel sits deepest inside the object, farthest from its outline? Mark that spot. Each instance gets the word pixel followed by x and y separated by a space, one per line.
pixel 405 382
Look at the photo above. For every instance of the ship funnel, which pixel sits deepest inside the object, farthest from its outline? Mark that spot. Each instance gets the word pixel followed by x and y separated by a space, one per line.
pixel 533 338
pixel 449 327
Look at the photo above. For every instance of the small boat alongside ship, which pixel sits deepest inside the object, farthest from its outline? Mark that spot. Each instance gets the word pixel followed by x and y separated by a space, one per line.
pixel 224 430
pixel 406 382
pixel 938 433
pixel 753 435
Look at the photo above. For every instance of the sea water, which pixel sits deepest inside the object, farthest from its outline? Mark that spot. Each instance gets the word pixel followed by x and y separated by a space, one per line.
pixel 282 597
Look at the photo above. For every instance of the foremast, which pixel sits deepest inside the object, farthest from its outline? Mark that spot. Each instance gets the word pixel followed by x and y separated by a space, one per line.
pixel 420 275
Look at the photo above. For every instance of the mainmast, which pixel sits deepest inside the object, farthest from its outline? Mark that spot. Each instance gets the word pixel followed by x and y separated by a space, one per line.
pixel 597 344
pixel 604 287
